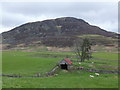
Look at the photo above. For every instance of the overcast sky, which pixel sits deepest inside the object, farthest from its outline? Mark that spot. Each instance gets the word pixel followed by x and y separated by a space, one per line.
pixel 102 14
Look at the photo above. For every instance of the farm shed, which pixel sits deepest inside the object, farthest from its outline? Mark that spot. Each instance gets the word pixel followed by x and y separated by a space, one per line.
pixel 65 64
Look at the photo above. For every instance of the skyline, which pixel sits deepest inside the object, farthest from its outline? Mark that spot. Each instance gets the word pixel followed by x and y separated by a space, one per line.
pixel 103 14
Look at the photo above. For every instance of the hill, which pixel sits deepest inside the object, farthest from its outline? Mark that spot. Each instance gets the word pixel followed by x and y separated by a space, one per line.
pixel 59 32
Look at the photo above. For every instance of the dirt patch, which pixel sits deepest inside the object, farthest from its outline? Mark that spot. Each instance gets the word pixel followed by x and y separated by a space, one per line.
pixel 66 49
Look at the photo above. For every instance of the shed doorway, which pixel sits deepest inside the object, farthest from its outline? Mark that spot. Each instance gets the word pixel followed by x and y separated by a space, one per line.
pixel 64 66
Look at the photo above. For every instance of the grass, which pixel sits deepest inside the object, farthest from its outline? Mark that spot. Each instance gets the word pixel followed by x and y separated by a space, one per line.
pixel 95 36
pixel 106 55
pixel 99 39
pixel 103 60
pixel 91 35
pixel 30 63
pixel 21 63
pixel 64 80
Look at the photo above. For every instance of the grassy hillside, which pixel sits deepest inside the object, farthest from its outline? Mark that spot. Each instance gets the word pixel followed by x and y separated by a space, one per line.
pixel 99 39
pixel 30 63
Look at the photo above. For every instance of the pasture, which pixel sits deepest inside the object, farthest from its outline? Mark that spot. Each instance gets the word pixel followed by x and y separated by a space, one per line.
pixel 31 63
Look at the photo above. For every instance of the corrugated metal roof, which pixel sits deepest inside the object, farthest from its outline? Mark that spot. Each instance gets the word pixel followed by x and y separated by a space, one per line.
pixel 68 61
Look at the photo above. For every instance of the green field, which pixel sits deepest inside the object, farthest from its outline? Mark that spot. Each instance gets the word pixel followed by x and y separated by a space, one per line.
pixel 31 63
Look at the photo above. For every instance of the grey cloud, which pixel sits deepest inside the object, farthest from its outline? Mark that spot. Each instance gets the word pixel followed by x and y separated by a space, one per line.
pixel 94 13
pixel 11 19
pixel 49 8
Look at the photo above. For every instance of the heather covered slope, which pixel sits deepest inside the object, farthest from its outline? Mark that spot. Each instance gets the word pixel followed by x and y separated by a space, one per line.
pixel 63 30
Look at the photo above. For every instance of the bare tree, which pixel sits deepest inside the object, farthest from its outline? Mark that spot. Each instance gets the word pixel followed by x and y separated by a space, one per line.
pixel 83 49
pixel 77 49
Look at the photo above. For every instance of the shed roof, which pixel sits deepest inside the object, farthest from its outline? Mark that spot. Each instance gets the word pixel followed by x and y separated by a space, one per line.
pixel 68 61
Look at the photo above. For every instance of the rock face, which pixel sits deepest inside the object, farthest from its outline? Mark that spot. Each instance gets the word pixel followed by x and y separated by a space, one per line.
pixel 52 32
